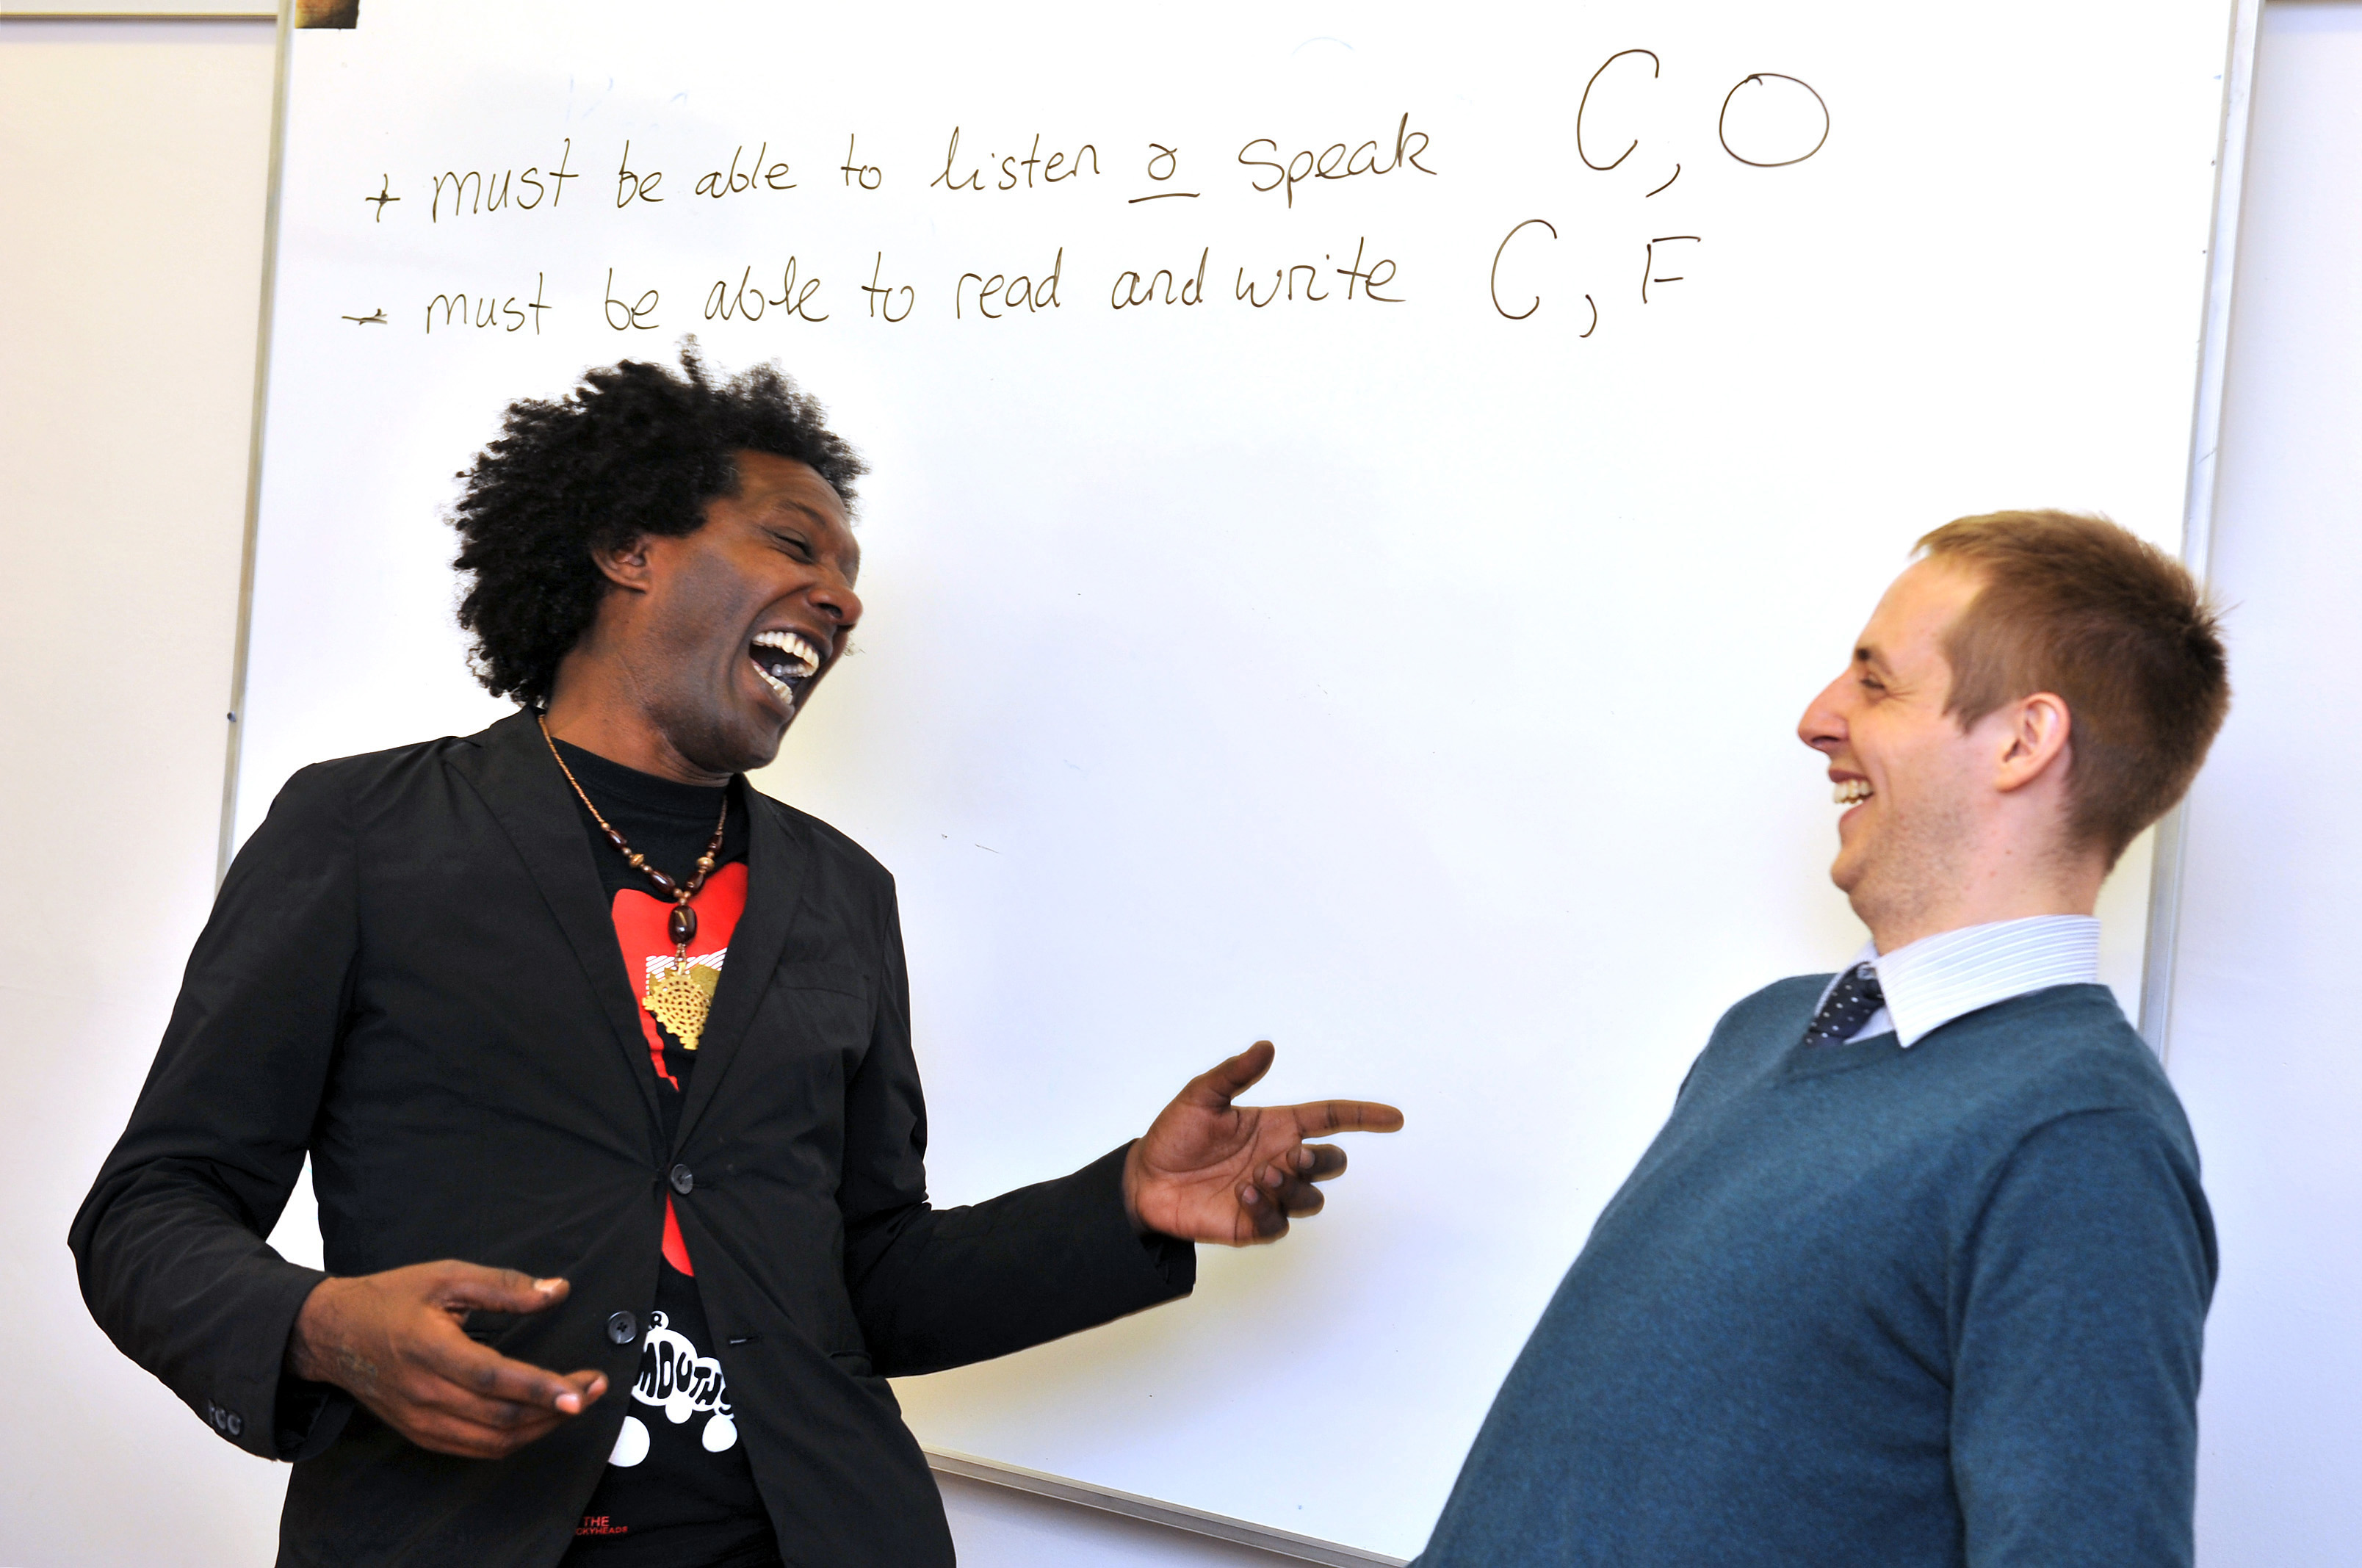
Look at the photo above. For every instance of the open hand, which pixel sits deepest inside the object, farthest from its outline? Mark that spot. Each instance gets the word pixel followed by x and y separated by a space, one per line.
pixel 394 1342
pixel 1211 1171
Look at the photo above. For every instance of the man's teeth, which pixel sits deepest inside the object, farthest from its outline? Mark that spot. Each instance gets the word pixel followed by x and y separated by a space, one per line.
pixel 1853 790
pixel 778 688
pixel 795 647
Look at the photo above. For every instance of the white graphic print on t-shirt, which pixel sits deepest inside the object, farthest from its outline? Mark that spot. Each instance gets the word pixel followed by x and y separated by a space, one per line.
pixel 677 1380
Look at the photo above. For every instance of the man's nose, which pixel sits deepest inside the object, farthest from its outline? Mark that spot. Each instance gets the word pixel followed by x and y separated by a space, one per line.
pixel 1823 726
pixel 835 598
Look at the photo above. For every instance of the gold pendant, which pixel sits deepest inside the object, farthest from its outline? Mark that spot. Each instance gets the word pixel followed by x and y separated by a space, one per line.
pixel 681 995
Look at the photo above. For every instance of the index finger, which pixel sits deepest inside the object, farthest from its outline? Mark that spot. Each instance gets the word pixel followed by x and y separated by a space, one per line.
pixel 1345 1116
pixel 483 1371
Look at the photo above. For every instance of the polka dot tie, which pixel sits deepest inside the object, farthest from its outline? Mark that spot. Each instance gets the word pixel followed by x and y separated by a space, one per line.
pixel 1851 1003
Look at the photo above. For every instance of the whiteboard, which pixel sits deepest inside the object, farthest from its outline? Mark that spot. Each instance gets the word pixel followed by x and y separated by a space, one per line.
pixel 1403 668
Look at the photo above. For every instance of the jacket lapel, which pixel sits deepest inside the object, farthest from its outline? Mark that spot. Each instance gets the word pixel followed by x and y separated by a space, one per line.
pixel 776 854
pixel 511 769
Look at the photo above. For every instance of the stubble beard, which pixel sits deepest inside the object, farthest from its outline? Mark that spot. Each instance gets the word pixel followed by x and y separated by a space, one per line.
pixel 707 735
pixel 1917 866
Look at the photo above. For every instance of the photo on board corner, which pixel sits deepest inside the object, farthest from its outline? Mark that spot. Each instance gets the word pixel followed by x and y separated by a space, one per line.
pixel 342 14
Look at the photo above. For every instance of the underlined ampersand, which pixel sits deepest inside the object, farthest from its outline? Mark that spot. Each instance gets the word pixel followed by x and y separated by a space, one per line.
pixel 1171 159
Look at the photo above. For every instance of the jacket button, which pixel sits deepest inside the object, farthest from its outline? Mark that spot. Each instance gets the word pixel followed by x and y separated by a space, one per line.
pixel 623 1329
pixel 681 1180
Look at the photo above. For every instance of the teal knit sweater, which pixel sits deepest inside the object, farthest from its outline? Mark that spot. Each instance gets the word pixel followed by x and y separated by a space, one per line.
pixel 1860 1305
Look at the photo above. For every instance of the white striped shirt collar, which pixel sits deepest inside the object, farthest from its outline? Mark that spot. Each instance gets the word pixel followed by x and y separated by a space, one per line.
pixel 1938 979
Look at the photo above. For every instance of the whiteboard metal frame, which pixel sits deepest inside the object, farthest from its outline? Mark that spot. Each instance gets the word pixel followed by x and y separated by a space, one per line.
pixel 2158 951
pixel 2165 884
pixel 1221 1527
pixel 254 451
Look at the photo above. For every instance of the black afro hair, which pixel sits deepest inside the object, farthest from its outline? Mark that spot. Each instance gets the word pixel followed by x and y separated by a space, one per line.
pixel 634 450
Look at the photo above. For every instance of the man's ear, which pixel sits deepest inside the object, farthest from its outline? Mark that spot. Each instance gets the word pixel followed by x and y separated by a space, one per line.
pixel 2038 729
pixel 625 565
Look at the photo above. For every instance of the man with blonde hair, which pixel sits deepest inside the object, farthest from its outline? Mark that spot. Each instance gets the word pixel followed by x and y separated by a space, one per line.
pixel 1917 1271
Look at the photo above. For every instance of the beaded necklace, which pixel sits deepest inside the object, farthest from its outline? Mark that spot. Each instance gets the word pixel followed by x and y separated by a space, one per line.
pixel 679 993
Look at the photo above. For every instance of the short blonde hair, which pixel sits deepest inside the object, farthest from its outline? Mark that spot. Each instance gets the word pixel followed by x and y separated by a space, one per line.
pixel 2117 629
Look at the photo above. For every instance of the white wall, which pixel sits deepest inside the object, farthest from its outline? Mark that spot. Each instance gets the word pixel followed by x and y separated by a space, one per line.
pixel 132 166
pixel 2267 1004
pixel 133 161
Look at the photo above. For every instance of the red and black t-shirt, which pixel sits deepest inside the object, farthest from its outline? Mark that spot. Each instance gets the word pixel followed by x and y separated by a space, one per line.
pixel 678 1491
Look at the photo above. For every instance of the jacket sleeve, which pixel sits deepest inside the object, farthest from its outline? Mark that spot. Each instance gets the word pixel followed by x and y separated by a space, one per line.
pixel 934 1288
pixel 170 1244
pixel 2083 1304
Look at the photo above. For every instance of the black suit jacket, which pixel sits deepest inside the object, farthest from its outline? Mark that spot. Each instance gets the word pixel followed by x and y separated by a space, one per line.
pixel 411 974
